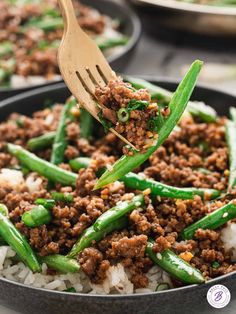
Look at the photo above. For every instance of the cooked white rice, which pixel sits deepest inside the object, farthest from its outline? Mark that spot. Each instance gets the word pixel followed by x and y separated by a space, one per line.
pixel 117 281
pixel 15 179
pixel 228 236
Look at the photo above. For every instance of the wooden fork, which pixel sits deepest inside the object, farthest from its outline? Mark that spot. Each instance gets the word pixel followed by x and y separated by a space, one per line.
pixel 82 64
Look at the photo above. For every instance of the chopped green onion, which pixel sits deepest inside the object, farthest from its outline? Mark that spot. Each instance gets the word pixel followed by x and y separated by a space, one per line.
pixel 215 265
pixel 123 115
pixel 61 197
pixel 162 286
pixel 47 203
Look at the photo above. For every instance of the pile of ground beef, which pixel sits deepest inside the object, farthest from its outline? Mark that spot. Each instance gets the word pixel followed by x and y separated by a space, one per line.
pixel 118 94
pixel 192 147
pixel 35 50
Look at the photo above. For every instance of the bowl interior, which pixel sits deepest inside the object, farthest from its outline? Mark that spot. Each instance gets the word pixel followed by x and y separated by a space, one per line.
pixel 28 300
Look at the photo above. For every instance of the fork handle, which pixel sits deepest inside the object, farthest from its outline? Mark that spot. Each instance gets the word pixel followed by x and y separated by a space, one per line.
pixel 68 13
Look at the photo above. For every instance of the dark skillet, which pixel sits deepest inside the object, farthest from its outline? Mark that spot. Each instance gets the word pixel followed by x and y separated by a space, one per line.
pixel 185 300
pixel 130 26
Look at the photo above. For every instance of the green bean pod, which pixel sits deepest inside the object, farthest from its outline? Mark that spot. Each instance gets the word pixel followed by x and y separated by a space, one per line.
pixel 60 263
pixel 86 123
pixel 41 142
pixel 117 212
pixel 4 210
pixel 90 235
pixel 18 243
pixel 60 142
pixel 36 217
pixel 232 112
pixel 6 48
pixel 134 181
pixel 79 163
pixel 62 197
pixel 106 43
pixel 203 112
pixel 47 203
pixel 196 109
pixel 42 167
pixel 177 106
pixel 231 140
pixel 211 221
pixel 47 25
pixel 174 265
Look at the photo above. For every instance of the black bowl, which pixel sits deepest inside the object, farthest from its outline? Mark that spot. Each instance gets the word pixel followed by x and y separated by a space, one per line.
pixel 130 26
pixel 185 300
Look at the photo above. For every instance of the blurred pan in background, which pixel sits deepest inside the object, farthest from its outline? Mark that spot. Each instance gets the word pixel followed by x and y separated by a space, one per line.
pixel 215 21
pixel 130 27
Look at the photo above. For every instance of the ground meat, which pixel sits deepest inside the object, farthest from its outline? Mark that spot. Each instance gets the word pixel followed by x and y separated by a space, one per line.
pixel 161 244
pixel 117 95
pixel 140 222
pixel 129 247
pixel 179 162
pixel 86 181
pixel 92 263
pixel 207 234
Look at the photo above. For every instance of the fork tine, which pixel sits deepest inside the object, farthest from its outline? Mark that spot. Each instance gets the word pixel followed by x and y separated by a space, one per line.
pixel 95 77
pixel 86 83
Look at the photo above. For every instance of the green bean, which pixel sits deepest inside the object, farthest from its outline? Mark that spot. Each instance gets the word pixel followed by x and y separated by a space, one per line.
pixel 71 290
pixel 157 93
pixel 174 265
pixel 231 141
pixel 62 197
pixel 215 264
pixel 6 48
pixel 197 109
pixel 60 263
pixel 6 70
pixel 41 142
pixel 90 235
pixel 47 203
pixel 44 44
pixel 232 112
pixel 4 210
pixel 211 221
pixel 4 76
pixel 86 124
pixel 177 106
pixel 18 243
pixel 134 181
pixel 138 182
pixel 106 43
pixel 162 286
pixel 79 163
pixel 36 217
pixel 203 112
pixel 60 142
pixel 223 3
pixel 117 212
pixel 42 167
pixel 46 24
